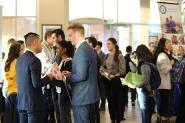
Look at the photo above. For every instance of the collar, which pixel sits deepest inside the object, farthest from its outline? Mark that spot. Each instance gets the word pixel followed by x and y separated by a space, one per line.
pixel 30 51
pixel 99 51
pixel 64 61
pixel 78 45
pixel 47 44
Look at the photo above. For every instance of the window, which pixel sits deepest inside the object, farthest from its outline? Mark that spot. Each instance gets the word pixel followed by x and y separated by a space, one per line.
pixel 25 24
pixel 154 28
pixel 154 12
pixel 26 7
pixel 19 18
pixel 9 7
pixel 8 30
pixel 122 11
pixel 110 10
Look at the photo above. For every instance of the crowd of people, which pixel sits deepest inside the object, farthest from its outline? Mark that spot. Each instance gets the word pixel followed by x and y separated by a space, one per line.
pixel 44 81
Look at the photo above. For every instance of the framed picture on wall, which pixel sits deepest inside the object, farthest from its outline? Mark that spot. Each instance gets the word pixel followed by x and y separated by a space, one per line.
pixel 49 27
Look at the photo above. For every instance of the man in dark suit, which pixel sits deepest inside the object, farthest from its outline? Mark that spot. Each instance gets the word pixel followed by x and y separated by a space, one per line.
pixel 102 81
pixel 83 78
pixel 28 73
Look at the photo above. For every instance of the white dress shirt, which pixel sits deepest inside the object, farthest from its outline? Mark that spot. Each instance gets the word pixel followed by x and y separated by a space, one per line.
pixel 30 51
pixel 78 44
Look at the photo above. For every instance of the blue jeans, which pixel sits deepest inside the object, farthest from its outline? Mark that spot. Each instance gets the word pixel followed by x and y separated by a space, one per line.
pixel 144 103
pixel 31 117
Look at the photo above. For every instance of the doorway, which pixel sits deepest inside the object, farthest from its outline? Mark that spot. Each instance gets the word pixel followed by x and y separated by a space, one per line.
pixel 122 33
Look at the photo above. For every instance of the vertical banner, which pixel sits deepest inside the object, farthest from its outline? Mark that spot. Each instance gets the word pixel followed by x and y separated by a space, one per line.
pixel 171 26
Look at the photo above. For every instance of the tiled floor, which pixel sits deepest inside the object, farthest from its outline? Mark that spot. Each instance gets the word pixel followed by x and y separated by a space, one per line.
pixel 132 115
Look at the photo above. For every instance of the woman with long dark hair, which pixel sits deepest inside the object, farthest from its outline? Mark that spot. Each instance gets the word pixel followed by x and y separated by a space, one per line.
pixel 144 91
pixel 164 63
pixel 145 53
pixel 114 68
pixel 65 51
pixel 11 114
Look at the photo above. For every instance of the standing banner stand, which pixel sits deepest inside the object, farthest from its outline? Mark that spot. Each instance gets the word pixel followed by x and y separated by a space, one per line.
pixel 172 29
pixel 171 26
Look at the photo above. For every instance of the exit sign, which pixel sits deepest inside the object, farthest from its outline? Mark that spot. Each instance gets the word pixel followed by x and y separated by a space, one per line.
pixel 109 21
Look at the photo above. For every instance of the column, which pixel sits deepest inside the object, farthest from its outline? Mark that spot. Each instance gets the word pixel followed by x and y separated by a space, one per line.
pixel 145 16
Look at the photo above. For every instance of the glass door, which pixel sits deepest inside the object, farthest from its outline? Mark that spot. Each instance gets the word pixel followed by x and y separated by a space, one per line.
pixel 124 37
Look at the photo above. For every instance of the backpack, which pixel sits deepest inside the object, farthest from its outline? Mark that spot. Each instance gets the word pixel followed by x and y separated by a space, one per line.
pixel 177 72
pixel 155 78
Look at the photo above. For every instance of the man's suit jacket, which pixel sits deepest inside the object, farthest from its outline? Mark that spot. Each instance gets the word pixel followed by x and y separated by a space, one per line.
pixel 102 57
pixel 127 61
pixel 28 70
pixel 84 78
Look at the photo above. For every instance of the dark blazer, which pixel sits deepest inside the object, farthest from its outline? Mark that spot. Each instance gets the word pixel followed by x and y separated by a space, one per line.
pixel 84 78
pixel 102 57
pixel 28 72
pixel 127 61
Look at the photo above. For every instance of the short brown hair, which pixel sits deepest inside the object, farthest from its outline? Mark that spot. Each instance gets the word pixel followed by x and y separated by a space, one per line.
pixel 77 27
pixel 11 41
pixel 47 34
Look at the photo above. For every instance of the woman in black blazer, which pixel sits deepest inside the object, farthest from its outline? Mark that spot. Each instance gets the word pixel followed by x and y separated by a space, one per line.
pixel 65 50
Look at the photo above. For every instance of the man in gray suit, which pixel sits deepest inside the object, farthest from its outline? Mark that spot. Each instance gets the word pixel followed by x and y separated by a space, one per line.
pixel 83 78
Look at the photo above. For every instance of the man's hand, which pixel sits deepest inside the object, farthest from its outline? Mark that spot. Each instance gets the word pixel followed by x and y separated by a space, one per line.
pixel 110 77
pixel 66 73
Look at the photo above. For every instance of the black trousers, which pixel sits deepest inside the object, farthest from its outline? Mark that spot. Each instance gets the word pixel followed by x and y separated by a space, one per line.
pixel 102 91
pixel 2 105
pixel 11 113
pixel 164 102
pixel 181 113
pixel 133 94
pixel 49 116
pixel 114 98
pixel 55 103
pixel 124 98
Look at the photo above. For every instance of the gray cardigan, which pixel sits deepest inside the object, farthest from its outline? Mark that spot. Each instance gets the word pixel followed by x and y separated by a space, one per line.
pixel 146 72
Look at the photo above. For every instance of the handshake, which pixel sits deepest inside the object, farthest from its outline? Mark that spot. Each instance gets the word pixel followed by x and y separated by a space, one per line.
pixel 54 72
